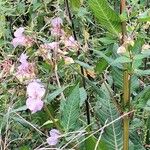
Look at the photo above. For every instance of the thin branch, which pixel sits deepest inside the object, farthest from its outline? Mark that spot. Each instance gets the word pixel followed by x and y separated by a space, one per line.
pixel 100 136
pixel 102 128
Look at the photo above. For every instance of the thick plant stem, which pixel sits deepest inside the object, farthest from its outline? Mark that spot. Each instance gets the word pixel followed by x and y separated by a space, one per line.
pixel 126 100
pixel 78 53
pixel 126 86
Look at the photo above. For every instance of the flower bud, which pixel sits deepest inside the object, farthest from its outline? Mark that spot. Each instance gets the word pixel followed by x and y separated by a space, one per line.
pixel 121 50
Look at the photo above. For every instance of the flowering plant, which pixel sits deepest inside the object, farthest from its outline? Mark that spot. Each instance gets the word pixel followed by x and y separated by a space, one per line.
pixel 74 75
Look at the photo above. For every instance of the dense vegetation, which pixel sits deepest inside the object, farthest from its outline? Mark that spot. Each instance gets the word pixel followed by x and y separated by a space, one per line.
pixel 74 74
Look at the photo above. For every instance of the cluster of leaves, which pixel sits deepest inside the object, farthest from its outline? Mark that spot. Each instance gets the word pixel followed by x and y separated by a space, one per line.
pixel 95 77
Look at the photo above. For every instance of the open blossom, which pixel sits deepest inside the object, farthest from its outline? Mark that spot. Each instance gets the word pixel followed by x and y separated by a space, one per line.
pixel 34 105
pixel 21 39
pixel 25 70
pixel 35 92
pixel 71 43
pixel 56 27
pixel 53 45
pixel 56 22
pixel 46 50
pixel 57 32
pixel 23 59
pixel 35 89
pixel 19 32
pixel 53 138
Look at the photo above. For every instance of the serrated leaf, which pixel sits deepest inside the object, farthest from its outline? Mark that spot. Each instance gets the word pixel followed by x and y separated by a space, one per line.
pixel 107 40
pixel 106 16
pixel 23 108
pixel 103 55
pixel 144 94
pixel 120 60
pixel 83 64
pixel 75 3
pixel 134 137
pixel 140 72
pixel 117 76
pixel 145 16
pixel 91 143
pixel 101 65
pixel 83 96
pixel 53 95
pixel 105 110
pixel 71 110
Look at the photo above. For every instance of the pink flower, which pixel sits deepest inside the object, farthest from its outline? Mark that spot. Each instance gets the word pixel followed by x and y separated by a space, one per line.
pixel 57 32
pixel 56 27
pixel 71 43
pixel 23 59
pixel 53 45
pixel 35 89
pixel 20 39
pixel 35 92
pixel 34 105
pixel 56 22
pixel 25 70
pixel 53 138
pixel 19 32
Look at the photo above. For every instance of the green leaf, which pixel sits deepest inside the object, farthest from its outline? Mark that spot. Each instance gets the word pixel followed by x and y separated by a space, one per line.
pixel 134 137
pixel 141 99
pixel 103 55
pixel 83 64
pixel 91 143
pixel 136 49
pixel 2 25
pixel 75 3
pixel 120 60
pixel 117 76
pixel 71 110
pixel 49 122
pixel 101 65
pixel 140 72
pixel 53 95
pixel 83 96
pixel 106 16
pixel 107 40
pixel 23 108
pixel 145 16
pixel 106 111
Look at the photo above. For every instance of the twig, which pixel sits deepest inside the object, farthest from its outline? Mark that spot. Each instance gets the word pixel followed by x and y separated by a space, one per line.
pixel 122 116
pixel 96 146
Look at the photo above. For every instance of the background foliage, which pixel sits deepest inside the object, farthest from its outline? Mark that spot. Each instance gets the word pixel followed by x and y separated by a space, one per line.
pixel 97 25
